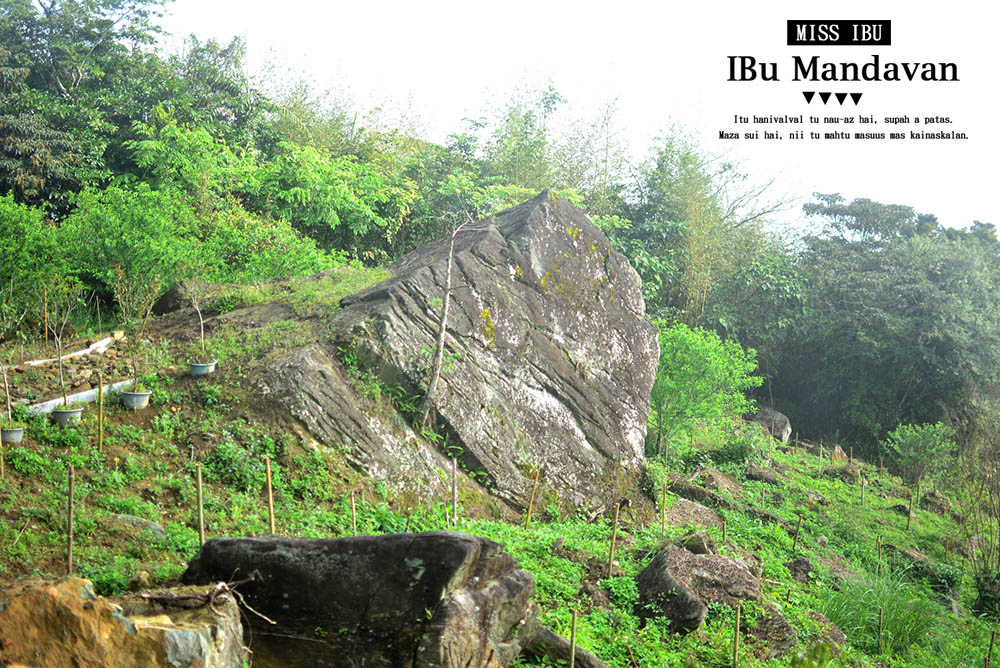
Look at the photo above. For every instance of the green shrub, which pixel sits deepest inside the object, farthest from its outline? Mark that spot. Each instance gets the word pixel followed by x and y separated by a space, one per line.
pixel 920 449
pixel 701 378
pixel 28 462
pixel 238 460
pixel 311 480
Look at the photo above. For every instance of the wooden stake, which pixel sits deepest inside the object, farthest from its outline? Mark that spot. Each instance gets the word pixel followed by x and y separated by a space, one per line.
pixel 851 455
pixel 736 637
pixel 762 492
pixel 454 491
pixel 880 630
pixel 201 508
pixel 723 530
pixel 614 537
pixel 531 501
pixel 100 412
pixel 45 316
pixel 663 513
pixel 69 523
pixel 354 516
pixel 788 594
pixel 270 493
pixel 909 513
pixel 795 540
pixel 989 655
pixel 878 570
pixel 572 641
pixel 97 300
pixel 821 458
pixel 862 491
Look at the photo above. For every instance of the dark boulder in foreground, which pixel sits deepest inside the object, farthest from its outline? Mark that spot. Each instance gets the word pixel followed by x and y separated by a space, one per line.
pixel 433 599
pixel 550 358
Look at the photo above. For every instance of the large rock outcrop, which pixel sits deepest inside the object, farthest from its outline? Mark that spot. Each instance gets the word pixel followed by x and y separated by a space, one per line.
pixel 678 585
pixel 64 623
pixel 549 357
pixel 774 422
pixel 415 600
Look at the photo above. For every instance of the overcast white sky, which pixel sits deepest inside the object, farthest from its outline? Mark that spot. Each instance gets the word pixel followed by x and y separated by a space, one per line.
pixel 664 63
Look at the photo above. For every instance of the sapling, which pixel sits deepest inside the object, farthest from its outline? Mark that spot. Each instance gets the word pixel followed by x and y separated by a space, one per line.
pixel 62 299
pixel 9 423
pixel 12 312
pixel 135 295
pixel 194 290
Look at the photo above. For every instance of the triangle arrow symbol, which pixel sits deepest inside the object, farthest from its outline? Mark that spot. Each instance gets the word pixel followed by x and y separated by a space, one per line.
pixel 841 97
pixel 808 96
pixel 856 97
pixel 825 97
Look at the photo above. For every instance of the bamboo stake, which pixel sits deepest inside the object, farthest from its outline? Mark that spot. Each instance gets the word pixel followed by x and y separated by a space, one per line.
pixel 354 516
pixel 862 491
pixel 45 309
pixel 270 493
pixel 909 513
pixel 880 630
pixel 69 523
pixel 989 655
pixel 572 641
pixel 851 455
pixel 100 412
pixel 795 540
pixel 878 570
pixel 454 491
pixel 821 458
pixel 663 513
pixel 736 637
pixel 97 299
pixel 614 537
pixel 723 530
pixel 201 508
pixel 531 501
pixel 762 492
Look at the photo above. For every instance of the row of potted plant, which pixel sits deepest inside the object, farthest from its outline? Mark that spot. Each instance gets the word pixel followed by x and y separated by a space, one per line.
pixel 136 303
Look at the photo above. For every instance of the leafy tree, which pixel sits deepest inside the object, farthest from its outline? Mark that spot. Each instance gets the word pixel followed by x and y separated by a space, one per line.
pixel 519 151
pixel 39 160
pixel 27 249
pixel 920 450
pixel 693 223
pixel 192 160
pixel 340 202
pixel 135 228
pixel 701 378
pixel 67 44
pixel 901 319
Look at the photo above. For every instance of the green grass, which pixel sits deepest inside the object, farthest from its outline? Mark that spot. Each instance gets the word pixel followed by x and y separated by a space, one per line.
pixel 147 470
